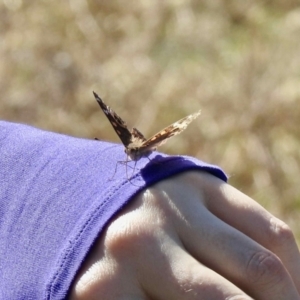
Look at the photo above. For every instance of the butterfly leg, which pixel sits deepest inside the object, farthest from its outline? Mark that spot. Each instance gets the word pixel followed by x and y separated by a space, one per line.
pixel 133 169
pixel 126 166
pixel 116 168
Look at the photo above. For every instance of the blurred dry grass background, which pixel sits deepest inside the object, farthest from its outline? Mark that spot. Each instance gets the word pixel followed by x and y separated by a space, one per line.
pixel 157 61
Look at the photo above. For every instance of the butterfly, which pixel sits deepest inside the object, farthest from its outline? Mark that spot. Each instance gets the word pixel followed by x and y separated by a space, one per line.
pixel 136 145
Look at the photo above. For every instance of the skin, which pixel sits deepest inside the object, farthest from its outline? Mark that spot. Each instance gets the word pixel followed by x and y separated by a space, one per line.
pixel 192 237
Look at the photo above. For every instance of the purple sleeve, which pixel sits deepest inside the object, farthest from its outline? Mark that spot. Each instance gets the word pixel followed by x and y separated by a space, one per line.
pixel 56 196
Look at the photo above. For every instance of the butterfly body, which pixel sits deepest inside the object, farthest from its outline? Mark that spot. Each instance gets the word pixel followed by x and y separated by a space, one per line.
pixel 136 145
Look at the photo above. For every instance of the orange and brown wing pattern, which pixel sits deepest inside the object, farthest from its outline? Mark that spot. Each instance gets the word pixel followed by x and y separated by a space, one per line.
pixel 162 136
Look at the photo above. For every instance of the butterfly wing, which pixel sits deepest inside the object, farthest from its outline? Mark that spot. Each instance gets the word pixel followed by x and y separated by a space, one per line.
pixel 137 136
pixel 135 143
pixel 116 121
pixel 162 136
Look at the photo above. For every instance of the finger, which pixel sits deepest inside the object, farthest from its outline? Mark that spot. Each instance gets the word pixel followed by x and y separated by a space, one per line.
pixel 105 277
pixel 227 250
pixel 176 275
pixel 246 215
pixel 238 258
pixel 102 281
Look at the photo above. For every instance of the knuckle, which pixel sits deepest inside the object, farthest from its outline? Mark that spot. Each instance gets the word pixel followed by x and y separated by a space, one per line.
pixel 265 269
pixel 193 283
pixel 280 234
pixel 185 281
pixel 130 235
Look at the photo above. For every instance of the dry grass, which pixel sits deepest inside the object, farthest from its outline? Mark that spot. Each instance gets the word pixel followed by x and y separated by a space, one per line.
pixel 156 61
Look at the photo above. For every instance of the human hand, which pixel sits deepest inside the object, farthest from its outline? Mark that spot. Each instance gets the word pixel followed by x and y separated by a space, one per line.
pixel 191 236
